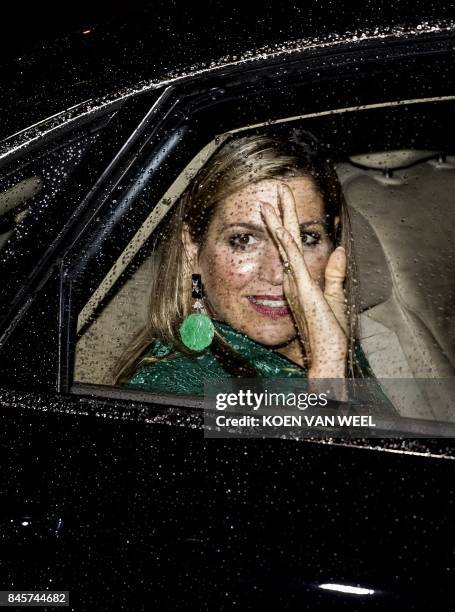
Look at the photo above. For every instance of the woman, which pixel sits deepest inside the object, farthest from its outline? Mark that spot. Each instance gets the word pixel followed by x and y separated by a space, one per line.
pixel 263 234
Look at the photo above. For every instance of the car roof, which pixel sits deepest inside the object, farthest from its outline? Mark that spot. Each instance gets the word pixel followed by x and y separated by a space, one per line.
pixel 169 41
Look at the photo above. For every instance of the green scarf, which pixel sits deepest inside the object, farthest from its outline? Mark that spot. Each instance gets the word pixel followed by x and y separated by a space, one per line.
pixel 176 373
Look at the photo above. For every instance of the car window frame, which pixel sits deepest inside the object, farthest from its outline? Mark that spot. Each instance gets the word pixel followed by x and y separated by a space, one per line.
pixel 154 398
pixel 189 91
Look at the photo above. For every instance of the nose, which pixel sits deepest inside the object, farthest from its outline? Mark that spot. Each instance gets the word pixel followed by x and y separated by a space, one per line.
pixel 271 266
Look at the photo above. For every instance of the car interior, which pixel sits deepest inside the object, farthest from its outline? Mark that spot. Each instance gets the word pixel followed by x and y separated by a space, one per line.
pixel 402 207
pixel 403 227
pixel 14 205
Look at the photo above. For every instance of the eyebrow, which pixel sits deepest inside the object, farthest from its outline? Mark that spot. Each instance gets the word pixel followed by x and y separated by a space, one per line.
pixel 313 222
pixel 260 228
pixel 252 226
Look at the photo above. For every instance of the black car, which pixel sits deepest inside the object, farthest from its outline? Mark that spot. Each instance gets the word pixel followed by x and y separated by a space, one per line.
pixel 117 495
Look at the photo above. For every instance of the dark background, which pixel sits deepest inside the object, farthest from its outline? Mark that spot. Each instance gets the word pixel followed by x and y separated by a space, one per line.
pixel 55 55
pixel 27 25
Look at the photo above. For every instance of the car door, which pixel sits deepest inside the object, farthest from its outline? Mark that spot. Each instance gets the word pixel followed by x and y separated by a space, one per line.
pixel 118 493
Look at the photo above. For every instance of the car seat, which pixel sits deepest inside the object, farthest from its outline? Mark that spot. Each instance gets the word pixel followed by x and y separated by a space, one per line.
pixel 402 207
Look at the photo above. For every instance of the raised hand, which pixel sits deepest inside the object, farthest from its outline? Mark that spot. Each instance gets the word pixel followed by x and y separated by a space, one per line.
pixel 319 313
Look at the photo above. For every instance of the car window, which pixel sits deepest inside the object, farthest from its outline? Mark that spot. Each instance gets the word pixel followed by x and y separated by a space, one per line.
pixel 37 197
pixel 399 192
pixel 12 201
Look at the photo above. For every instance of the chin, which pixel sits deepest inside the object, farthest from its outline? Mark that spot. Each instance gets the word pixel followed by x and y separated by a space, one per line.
pixel 264 330
pixel 272 337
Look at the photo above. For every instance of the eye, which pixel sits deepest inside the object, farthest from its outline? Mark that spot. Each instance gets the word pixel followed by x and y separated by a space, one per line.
pixel 310 238
pixel 242 241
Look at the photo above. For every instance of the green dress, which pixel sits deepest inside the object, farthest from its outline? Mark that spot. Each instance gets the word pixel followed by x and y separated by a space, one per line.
pixel 182 374
pixel 176 373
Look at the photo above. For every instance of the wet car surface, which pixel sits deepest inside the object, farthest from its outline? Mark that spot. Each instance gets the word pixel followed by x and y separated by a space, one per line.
pixel 118 497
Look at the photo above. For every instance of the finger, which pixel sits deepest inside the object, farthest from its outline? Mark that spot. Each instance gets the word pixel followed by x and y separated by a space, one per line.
pixel 289 212
pixel 290 288
pixel 298 276
pixel 335 274
pixel 294 256
pixel 316 310
pixel 314 316
pixel 291 293
pixel 273 223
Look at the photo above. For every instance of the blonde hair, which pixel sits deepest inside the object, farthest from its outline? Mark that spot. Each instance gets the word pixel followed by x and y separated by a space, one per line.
pixel 237 163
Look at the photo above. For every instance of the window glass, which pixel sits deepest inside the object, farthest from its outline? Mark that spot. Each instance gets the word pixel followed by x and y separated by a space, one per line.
pixel 14 205
pixel 37 196
pixel 395 167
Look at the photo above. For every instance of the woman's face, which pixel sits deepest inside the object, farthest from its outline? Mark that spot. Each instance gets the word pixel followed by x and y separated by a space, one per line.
pixel 241 268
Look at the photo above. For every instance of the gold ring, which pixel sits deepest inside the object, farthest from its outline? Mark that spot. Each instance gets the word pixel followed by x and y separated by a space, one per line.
pixel 286 266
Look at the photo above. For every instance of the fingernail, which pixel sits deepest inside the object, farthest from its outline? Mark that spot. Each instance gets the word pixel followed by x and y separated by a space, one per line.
pixel 340 247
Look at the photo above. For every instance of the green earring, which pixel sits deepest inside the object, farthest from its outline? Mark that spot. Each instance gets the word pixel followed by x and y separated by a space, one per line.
pixel 197 329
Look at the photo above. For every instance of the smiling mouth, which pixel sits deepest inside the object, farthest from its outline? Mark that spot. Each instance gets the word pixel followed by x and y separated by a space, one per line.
pixel 273 302
pixel 269 306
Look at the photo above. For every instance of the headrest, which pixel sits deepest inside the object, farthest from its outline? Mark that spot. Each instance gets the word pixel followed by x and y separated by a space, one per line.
pixel 404 237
